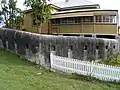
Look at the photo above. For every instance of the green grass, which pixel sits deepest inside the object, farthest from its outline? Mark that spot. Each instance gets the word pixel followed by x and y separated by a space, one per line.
pixel 17 74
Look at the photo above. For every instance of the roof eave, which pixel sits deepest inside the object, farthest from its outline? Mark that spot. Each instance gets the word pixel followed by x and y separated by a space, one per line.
pixel 85 11
pixel 82 6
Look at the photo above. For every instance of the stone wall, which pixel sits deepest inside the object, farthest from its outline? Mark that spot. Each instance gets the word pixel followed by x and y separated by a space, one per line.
pixel 36 48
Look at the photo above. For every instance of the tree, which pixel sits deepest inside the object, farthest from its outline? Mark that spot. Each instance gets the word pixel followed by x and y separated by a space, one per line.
pixel 4 11
pixel 1 18
pixel 41 11
pixel 10 13
pixel 18 20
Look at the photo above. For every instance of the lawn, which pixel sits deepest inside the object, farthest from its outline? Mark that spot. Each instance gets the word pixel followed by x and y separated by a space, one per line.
pixel 17 74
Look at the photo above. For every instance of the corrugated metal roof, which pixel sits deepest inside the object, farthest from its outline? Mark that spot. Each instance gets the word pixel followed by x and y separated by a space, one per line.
pixel 71 3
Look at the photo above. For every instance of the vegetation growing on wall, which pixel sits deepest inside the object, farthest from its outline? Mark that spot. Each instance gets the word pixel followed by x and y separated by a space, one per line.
pixel 113 58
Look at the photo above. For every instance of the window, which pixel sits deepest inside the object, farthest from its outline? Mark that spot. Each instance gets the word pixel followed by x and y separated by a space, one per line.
pixel 85 19
pixel 113 19
pixel 78 20
pixel 57 21
pixel 106 19
pixel 34 22
pixel 91 19
pixel 98 18
pixel 53 21
pixel 63 21
pixel 70 20
pixel 88 19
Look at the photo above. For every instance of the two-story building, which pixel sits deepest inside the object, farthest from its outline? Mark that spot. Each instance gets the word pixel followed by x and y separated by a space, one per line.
pixel 76 17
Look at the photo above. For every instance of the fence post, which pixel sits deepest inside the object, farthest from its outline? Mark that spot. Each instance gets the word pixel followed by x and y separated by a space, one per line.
pixel 92 67
pixel 1 44
pixel 15 48
pixel 97 54
pixel 70 53
pixel 106 53
pixel 7 45
pixel 85 55
pixel 52 53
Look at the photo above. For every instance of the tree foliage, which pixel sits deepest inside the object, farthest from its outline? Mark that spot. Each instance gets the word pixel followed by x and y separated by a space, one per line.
pixel 41 11
pixel 1 18
pixel 10 13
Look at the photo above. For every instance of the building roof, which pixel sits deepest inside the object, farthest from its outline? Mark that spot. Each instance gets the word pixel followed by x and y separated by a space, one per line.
pixel 71 3
pixel 74 6
pixel 92 6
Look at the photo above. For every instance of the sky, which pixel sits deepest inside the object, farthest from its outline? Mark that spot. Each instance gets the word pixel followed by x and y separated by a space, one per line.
pixel 105 4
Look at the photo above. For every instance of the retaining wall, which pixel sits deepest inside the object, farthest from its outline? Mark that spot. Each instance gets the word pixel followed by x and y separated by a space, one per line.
pixel 36 48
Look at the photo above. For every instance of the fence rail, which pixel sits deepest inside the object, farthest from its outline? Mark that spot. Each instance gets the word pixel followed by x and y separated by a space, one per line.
pixel 99 71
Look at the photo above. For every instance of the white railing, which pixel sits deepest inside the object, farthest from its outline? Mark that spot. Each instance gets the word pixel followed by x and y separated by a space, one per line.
pixel 99 71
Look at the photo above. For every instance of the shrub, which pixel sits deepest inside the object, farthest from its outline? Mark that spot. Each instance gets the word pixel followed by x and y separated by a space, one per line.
pixel 113 58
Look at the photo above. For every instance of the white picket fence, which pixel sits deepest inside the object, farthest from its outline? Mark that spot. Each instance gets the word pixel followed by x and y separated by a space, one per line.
pixel 99 71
